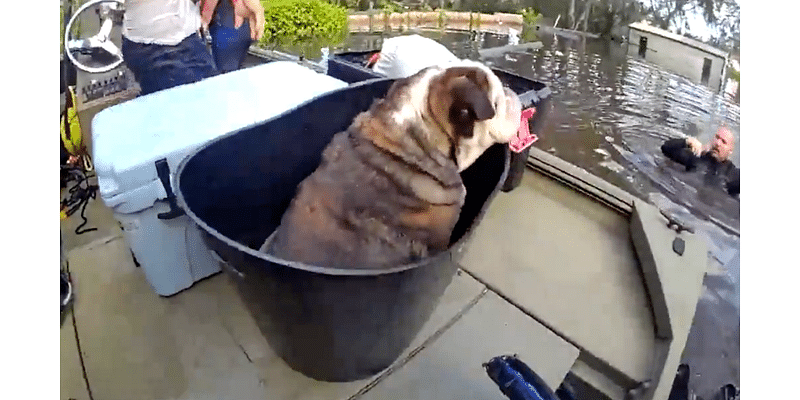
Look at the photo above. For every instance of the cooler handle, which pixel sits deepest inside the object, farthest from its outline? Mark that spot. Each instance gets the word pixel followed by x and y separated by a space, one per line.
pixel 162 169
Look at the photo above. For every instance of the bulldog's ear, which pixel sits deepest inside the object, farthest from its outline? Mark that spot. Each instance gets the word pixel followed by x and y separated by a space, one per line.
pixel 470 104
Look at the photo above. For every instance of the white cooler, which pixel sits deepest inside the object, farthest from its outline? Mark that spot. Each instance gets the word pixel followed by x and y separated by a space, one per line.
pixel 137 146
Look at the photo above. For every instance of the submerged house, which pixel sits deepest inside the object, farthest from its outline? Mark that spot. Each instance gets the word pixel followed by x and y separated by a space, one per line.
pixel 701 63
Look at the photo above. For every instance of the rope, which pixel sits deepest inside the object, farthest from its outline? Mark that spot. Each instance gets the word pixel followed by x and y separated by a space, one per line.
pixel 79 195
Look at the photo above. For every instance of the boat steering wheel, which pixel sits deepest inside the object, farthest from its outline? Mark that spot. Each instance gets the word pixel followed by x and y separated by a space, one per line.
pixel 110 13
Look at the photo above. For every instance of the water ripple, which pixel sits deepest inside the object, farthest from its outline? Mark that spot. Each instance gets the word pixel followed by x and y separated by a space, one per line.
pixel 610 115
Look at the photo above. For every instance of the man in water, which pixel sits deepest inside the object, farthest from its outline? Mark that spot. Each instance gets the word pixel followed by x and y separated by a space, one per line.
pixel 715 158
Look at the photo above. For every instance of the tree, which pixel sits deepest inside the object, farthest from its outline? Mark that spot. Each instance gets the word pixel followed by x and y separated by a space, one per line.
pixel 603 16
pixel 584 18
pixel 571 20
pixel 726 22
pixel 722 16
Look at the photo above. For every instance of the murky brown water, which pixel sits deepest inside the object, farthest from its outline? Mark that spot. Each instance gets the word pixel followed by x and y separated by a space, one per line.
pixel 610 115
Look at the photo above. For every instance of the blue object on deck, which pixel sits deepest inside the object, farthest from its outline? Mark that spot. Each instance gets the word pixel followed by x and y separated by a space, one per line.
pixel 516 380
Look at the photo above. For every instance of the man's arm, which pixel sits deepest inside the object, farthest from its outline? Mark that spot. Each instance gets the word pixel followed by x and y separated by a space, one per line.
pixel 678 150
pixel 253 11
pixel 733 181
pixel 207 8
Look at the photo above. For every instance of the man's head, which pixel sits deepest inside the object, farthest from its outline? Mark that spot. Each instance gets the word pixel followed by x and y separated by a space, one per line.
pixel 722 145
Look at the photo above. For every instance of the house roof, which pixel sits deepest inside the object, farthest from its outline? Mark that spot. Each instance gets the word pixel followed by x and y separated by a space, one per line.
pixel 644 27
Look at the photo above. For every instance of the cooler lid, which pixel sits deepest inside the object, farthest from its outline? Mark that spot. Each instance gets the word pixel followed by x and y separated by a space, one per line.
pixel 130 137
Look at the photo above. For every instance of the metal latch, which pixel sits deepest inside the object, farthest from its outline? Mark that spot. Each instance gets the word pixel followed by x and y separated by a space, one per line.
pixel 678 244
pixel 676 224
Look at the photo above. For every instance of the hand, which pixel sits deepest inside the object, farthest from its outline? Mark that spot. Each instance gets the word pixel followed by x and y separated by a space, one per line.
pixel 695 146
pixel 253 11
pixel 207 8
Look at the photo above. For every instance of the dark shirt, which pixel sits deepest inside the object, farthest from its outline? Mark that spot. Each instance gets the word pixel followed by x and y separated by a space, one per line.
pixel 724 173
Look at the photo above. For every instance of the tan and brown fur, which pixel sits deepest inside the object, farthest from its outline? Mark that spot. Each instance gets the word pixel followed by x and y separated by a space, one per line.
pixel 388 190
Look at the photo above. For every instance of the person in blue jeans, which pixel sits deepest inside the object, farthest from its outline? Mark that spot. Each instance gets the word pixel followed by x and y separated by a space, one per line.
pixel 161 44
pixel 233 25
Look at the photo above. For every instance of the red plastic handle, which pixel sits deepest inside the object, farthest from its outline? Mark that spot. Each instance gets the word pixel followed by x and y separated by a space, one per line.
pixel 524 136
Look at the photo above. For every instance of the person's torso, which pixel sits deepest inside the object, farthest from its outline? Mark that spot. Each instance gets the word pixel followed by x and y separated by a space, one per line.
pixel 713 171
pixel 166 22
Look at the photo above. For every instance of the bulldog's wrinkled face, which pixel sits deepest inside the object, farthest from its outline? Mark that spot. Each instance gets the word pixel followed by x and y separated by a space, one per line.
pixel 479 110
pixel 464 105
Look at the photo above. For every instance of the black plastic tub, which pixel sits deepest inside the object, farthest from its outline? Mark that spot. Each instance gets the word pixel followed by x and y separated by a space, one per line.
pixel 351 67
pixel 329 324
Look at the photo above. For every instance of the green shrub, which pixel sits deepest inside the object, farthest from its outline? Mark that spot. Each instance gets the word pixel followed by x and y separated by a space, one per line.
pixel 389 6
pixel 308 24
pixel 734 74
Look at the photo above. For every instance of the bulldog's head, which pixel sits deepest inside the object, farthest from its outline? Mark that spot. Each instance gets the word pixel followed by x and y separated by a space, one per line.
pixel 463 105
pixel 474 108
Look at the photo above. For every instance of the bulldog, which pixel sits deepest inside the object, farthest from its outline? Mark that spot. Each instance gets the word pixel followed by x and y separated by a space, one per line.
pixel 388 190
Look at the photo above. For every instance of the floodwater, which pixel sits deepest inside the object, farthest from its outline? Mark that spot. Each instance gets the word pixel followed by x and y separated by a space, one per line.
pixel 611 113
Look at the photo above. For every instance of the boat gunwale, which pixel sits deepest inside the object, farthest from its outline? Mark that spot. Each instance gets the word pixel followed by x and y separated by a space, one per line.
pixel 629 206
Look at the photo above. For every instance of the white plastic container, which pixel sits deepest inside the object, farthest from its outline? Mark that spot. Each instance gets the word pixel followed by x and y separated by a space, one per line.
pixel 403 56
pixel 132 138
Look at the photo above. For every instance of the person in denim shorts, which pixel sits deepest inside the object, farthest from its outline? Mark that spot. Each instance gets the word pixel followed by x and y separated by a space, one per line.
pixel 162 46
pixel 233 25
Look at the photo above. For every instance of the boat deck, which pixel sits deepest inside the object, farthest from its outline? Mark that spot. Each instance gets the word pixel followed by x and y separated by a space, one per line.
pixel 203 344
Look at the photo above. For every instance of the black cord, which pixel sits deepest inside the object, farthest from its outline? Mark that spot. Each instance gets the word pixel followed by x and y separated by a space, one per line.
pixel 77 339
pixel 79 197
pixel 78 230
